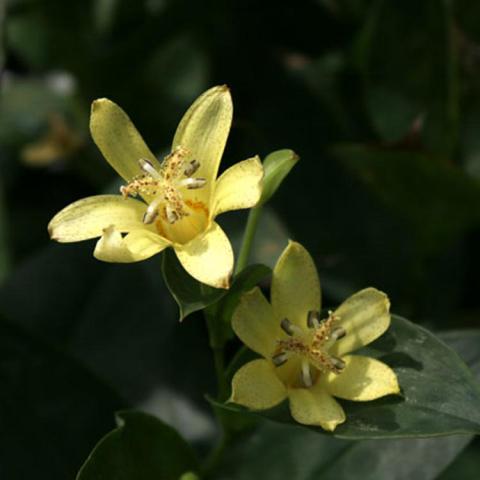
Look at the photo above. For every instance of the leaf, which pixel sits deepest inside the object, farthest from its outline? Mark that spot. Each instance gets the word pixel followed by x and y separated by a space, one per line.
pixel 439 396
pixel 51 407
pixel 192 296
pixel 277 166
pixel 431 196
pixel 141 448
pixel 292 452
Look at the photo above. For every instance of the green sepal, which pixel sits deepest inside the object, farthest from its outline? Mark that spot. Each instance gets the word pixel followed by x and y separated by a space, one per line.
pixel 141 448
pixel 276 166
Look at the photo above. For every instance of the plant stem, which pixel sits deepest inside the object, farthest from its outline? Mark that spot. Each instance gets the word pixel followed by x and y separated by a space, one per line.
pixel 248 236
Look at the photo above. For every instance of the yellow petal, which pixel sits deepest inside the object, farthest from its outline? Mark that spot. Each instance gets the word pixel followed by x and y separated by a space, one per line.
pixel 137 245
pixel 87 218
pixel 239 187
pixel 295 285
pixel 256 386
pixel 314 406
pixel 203 131
pixel 364 316
pixel 254 323
pixel 208 257
pixel 118 139
pixel 363 379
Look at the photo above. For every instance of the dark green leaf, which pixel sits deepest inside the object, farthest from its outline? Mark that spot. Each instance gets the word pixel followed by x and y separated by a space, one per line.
pixel 277 166
pixel 440 396
pixel 429 195
pixel 189 294
pixel 192 296
pixel 50 406
pixel 141 448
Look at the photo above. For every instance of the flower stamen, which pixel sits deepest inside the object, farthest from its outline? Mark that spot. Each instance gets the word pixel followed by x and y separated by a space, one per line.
pixel 165 185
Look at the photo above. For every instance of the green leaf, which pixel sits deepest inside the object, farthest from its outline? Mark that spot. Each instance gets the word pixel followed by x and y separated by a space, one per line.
pixel 277 166
pixel 141 448
pixel 440 396
pixel 192 296
pixel 290 452
pixel 430 195
pixel 51 406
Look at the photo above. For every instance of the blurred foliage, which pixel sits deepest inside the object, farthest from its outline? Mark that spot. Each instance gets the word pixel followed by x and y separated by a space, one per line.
pixel 381 101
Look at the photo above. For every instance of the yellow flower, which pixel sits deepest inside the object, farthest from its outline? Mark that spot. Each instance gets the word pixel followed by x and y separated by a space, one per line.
pixel 308 360
pixel 181 195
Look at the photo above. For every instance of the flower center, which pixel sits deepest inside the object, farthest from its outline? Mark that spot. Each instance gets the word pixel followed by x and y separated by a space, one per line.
pixel 311 346
pixel 165 186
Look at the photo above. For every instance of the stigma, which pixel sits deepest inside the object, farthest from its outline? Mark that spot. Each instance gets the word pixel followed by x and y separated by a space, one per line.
pixel 311 346
pixel 165 186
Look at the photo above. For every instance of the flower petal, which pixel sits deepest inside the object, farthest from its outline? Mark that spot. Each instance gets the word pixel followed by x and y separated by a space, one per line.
pixel 238 187
pixel 203 131
pixel 295 285
pixel 208 257
pixel 364 316
pixel 137 245
pixel 118 139
pixel 314 406
pixel 87 218
pixel 254 323
pixel 256 386
pixel 363 378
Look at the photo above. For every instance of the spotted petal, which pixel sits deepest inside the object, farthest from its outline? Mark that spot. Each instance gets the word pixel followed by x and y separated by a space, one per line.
pixel 239 187
pixel 118 139
pixel 203 131
pixel 256 386
pixel 362 379
pixel 87 218
pixel 314 406
pixel 364 316
pixel 137 245
pixel 255 324
pixel 295 285
pixel 208 257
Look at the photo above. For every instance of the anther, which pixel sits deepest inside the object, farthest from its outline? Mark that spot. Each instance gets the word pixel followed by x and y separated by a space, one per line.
pixel 338 333
pixel 150 215
pixel 193 183
pixel 172 215
pixel 313 319
pixel 287 326
pixel 191 168
pixel 279 359
pixel 306 374
pixel 148 168
pixel 338 363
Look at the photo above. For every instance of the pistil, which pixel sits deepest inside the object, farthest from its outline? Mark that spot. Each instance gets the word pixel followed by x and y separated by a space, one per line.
pixel 165 186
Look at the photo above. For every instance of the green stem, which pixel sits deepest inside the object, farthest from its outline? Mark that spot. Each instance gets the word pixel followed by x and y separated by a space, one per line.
pixel 248 236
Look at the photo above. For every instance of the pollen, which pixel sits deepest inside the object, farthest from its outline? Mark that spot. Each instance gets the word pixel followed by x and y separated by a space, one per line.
pixel 166 186
pixel 311 346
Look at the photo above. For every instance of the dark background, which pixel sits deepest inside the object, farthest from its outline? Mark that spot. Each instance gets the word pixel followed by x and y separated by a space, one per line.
pixel 381 101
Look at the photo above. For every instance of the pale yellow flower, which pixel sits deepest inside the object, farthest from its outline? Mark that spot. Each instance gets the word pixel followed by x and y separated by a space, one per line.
pixel 179 197
pixel 308 360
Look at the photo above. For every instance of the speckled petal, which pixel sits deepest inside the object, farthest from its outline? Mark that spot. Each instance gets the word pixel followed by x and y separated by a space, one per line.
pixel 87 218
pixel 254 323
pixel 137 245
pixel 314 406
pixel 364 316
pixel 118 139
pixel 208 257
pixel 203 131
pixel 256 386
pixel 295 285
pixel 363 379
pixel 238 187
